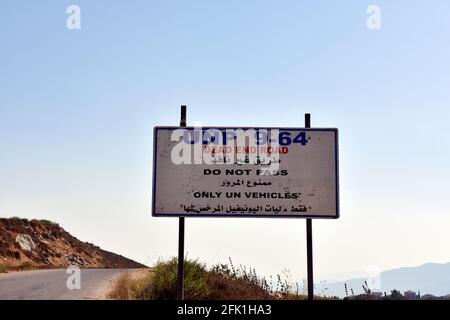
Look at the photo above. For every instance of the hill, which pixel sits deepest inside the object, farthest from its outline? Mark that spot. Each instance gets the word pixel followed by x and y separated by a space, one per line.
pixel 26 244
pixel 429 278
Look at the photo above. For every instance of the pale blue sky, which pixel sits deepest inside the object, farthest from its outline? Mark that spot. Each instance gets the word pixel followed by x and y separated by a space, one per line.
pixel 77 110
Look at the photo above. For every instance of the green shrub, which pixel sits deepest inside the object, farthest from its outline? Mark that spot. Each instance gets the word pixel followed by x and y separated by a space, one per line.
pixel 162 284
pixel 221 282
pixel 19 220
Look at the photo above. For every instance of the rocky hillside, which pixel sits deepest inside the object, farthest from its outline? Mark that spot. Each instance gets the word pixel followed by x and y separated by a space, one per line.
pixel 44 244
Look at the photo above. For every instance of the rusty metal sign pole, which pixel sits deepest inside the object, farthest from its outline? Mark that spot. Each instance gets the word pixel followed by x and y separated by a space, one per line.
pixel 309 241
pixel 180 275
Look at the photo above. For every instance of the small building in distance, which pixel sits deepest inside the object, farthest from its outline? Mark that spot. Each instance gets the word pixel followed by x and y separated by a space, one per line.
pixel 411 295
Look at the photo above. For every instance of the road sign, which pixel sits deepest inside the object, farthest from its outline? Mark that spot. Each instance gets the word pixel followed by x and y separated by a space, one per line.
pixel 245 172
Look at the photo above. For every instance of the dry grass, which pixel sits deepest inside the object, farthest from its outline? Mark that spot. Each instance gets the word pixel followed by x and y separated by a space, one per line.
pixel 5 268
pixel 129 286
pixel 222 282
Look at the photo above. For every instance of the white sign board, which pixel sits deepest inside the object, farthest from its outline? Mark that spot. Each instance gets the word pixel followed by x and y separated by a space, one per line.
pixel 245 172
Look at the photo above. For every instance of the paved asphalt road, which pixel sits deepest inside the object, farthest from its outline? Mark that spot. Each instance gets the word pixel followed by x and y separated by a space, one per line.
pixel 51 284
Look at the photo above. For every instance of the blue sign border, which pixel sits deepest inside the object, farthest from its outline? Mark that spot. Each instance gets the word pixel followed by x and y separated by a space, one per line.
pixel 234 215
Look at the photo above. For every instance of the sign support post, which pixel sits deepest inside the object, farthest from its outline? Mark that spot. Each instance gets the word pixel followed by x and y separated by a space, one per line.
pixel 254 186
pixel 309 241
pixel 180 275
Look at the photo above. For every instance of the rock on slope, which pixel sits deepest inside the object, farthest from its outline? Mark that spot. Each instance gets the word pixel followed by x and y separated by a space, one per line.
pixel 44 244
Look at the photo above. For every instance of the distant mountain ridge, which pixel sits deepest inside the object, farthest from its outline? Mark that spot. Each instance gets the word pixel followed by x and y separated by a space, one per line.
pixel 35 243
pixel 429 278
